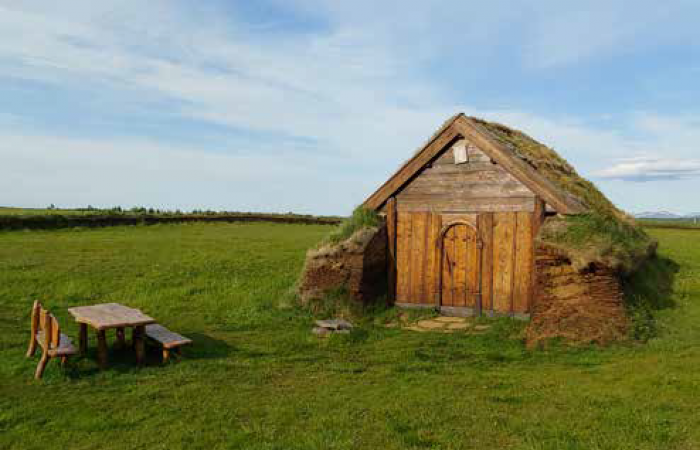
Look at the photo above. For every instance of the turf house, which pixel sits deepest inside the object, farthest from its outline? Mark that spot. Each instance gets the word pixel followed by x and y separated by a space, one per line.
pixel 484 220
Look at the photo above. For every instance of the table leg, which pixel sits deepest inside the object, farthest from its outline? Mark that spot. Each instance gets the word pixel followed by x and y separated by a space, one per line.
pixel 83 339
pixel 121 338
pixel 139 344
pixel 102 348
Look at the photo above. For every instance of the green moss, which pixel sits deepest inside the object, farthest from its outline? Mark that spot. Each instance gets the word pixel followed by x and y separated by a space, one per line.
pixel 361 218
pixel 605 234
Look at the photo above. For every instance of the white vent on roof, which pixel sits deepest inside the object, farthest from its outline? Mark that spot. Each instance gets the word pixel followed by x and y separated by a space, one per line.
pixel 460 152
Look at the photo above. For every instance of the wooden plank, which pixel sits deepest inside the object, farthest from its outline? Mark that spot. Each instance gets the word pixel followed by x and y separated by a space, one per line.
pixel 523 263
pixel 472 205
pixel 429 277
pixel 167 338
pixel 402 252
pixel 456 190
pixel 447 290
pixel 486 233
pixel 473 268
pixel 481 137
pixel 110 315
pixel 460 272
pixel 425 251
pixel 418 232
pixel 433 252
pixel 503 261
pixel 461 174
pixel 391 247
pixel 471 168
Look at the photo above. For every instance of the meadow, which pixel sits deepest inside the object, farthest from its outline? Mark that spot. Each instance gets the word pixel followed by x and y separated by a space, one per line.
pixel 256 378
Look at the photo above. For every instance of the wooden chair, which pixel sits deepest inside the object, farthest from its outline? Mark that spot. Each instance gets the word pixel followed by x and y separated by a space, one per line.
pixel 46 333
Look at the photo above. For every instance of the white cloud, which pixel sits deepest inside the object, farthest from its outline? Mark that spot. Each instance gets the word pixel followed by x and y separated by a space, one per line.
pixel 651 168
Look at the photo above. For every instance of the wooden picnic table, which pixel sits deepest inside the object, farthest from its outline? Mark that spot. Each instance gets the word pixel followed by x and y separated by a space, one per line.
pixel 111 315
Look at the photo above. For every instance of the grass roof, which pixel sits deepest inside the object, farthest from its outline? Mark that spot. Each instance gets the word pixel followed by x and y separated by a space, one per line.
pixel 604 235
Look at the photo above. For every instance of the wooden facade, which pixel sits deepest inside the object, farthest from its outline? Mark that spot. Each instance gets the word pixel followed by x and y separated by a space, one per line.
pixel 462 218
pixel 464 238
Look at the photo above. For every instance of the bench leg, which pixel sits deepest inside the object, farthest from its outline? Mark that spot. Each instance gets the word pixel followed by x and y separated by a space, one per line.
pixel 64 360
pixel 139 344
pixel 121 338
pixel 83 338
pixel 32 346
pixel 102 349
pixel 166 355
pixel 42 365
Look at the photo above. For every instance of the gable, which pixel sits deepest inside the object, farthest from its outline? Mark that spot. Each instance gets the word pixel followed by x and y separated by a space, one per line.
pixel 460 127
pixel 462 178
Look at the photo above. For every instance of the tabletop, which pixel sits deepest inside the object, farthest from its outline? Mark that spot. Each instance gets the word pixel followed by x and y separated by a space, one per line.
pixel 110 315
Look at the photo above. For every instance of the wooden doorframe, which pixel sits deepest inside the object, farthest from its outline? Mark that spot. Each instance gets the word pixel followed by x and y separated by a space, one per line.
pixel 441 249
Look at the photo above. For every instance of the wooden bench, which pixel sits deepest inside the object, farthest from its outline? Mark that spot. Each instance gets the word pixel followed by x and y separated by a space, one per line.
pixel 169 340
pixel 46 333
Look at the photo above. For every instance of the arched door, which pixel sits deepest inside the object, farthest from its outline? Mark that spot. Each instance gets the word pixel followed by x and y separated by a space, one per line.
pixel 460 267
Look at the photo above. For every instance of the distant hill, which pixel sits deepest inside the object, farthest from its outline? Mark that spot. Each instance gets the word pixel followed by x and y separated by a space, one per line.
pixel 666 215
pixel 659 215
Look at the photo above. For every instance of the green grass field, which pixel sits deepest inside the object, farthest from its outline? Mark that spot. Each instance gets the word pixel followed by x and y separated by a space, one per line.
pixel 257 379
pixel 685 223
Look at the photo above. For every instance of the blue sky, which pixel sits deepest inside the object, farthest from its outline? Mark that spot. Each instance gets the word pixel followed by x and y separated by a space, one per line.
pixel 308 106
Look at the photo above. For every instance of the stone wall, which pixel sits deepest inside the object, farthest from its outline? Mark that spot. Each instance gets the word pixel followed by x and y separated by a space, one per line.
pixel 357 265
pixel 579 307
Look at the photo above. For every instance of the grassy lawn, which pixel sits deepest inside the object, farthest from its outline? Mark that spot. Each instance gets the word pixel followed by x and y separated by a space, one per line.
pixel 257 379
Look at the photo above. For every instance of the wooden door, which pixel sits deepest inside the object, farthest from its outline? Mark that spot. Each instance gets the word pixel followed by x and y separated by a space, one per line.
pixel 460 271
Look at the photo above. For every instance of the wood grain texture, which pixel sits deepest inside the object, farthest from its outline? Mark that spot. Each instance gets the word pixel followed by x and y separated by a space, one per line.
pixel 403 250
pixel 503 261
pixel 437 255
pixel 418 227
pixel 468 205
pixel 448 267
pixel 486 232
pixel 524 263
pixel 461 266
pixel 110 315
pixel 168 339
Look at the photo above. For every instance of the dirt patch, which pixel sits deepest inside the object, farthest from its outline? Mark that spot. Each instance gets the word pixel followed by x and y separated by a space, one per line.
pixel 579 307
pixel 357 265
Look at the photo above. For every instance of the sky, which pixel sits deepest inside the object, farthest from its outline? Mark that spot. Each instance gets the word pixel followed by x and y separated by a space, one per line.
pixel 308 106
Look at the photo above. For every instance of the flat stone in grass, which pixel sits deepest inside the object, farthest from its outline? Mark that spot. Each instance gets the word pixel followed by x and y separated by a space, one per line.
pixel 430 324
pixel 321 332
pixel 418 329
pixel 458 326
pixel 446 319
pixel 335 324
pixel 482 327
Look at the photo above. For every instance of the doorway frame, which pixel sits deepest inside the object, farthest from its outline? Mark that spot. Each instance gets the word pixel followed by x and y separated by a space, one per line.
pixel 480 250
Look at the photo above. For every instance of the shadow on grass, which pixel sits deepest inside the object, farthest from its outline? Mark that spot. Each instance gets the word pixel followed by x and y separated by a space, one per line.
pixel 648 290
pixel 123 360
